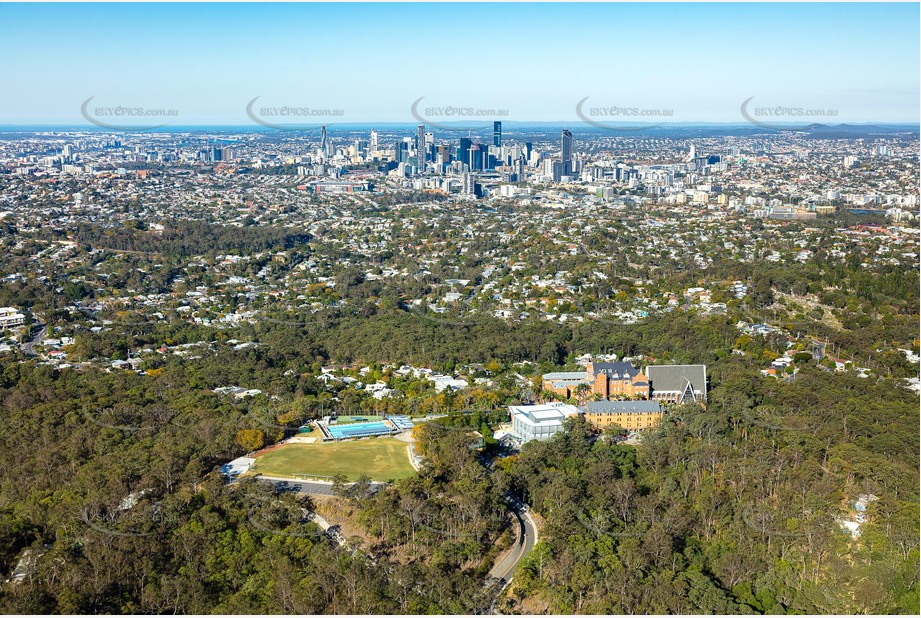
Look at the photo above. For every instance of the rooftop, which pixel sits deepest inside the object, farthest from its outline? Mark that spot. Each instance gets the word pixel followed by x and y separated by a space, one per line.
pixel 626 407
pixel 543 414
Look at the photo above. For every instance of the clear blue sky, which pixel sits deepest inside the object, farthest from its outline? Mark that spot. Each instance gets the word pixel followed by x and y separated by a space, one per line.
pixel 535 60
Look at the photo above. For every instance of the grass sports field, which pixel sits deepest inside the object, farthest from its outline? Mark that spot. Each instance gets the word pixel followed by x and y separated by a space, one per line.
pixel 382 459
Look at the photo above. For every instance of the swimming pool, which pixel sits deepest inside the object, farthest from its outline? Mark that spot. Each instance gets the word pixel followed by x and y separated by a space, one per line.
pixel 358 430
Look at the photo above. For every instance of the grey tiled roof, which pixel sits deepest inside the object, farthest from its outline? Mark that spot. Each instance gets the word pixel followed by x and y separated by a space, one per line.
pixel 565 383
pixel 620 369
pixel 625 407
pixel 676 377
pixel 565 375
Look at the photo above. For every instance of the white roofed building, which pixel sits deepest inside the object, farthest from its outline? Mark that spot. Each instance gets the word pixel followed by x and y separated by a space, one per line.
pixel 10 317
pixel 540 422
pixel 238 466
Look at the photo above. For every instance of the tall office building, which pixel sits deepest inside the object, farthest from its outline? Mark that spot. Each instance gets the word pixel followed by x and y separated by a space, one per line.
pixel 468 186
pixel 497 134
pixel 553 169
pixel 373 140
pixel 566 153
pixel 476 157
pixel 399 151
pixel 463 151
pixel 442 156
pixel 429 146
pixel 420 147
pixel 323 138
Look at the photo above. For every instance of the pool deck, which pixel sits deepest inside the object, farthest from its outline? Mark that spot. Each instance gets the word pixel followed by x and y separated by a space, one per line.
pixel 384 427
pixel 346 432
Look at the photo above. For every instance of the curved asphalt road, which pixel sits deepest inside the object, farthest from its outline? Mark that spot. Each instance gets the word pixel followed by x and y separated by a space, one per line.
pixel 502 572
pixel 28 348
pixel 309 488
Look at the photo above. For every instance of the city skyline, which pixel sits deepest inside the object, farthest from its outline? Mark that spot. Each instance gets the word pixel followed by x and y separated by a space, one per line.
pixel 483 309
pixel 682 63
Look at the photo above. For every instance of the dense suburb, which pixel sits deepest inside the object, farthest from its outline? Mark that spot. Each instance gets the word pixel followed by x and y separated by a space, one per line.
pixel 725 510
pixel 728 509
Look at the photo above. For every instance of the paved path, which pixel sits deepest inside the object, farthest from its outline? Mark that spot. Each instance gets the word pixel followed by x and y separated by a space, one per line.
pixel 414 460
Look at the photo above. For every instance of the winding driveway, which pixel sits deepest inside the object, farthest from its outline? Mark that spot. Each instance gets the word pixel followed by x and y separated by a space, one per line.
pixel 503 570
pixel 309 488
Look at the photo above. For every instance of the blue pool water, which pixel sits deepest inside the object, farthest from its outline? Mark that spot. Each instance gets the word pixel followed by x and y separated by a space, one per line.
pixel 358 430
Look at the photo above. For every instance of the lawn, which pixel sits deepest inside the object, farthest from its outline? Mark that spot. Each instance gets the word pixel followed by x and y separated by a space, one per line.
pixel 382 459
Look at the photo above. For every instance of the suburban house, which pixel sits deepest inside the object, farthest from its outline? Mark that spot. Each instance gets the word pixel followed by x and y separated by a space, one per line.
pixel 10 317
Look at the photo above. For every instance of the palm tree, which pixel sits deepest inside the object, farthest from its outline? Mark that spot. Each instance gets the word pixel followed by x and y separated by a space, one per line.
pixel 581 392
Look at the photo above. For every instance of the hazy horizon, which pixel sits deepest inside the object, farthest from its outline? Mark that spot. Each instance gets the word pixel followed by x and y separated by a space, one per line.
pixel 364 63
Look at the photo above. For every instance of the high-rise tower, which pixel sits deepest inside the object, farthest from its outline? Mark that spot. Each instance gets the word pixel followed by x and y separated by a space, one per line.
pixel 566 152
pixel 463 152
pixel 420 147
